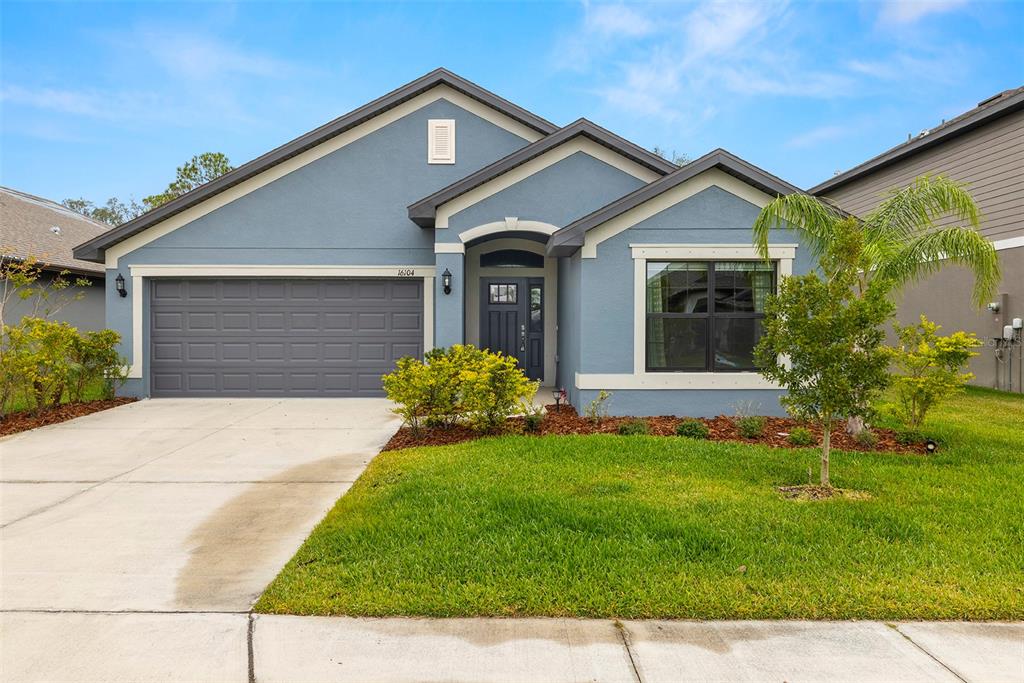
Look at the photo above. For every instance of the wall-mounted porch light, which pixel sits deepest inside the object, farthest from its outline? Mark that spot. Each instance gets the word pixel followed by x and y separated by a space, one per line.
pixel 446 281
pixel 119 283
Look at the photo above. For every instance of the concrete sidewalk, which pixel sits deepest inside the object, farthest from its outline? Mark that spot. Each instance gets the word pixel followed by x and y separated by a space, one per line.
pixel 242 647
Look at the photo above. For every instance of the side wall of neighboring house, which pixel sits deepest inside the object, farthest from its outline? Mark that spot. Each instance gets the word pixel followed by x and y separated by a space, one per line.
pixel 86 313
pixel 991 159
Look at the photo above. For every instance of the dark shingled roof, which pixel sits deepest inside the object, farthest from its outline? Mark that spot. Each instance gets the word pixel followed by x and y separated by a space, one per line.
pixel 987 110
pixel 93 250
pixel 37 227
pixel 422 212
pixel 570 238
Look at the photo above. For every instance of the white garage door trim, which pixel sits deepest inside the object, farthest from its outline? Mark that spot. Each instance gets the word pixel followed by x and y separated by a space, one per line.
pixel 426 273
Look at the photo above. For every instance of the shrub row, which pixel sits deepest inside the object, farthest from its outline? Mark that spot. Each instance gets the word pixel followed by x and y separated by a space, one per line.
pixel 42 361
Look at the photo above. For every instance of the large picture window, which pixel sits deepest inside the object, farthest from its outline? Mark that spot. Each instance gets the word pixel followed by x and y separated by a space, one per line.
pixel 705 316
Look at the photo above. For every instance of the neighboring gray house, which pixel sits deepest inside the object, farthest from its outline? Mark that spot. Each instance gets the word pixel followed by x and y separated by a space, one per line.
pixel 37 227
pixel 439 214
pixel 985 148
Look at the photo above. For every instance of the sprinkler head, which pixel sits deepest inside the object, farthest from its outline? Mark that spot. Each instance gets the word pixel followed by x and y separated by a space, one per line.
pixel 930 446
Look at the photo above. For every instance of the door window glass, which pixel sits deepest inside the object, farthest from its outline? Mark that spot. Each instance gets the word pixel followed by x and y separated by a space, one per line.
pixel 503 293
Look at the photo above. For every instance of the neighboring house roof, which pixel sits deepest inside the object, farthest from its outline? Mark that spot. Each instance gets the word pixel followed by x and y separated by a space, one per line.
pixel 571 237
pixel 93 249
pixel 987 110
pixel 37 227
pixel 423 211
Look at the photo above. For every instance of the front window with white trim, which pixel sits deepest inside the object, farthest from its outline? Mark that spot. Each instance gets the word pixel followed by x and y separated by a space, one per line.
pixel 705 316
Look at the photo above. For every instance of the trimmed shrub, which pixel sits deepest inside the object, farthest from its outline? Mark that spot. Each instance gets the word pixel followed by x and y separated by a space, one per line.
pixel 633 427
pixel 909 437
pixel 750 426
pixel 802 436
pixel 533 421
pixel 692 429
pixel 865 438
pixel 458 384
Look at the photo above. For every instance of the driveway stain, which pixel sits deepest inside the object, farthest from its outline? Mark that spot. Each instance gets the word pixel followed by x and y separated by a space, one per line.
pixel 242 546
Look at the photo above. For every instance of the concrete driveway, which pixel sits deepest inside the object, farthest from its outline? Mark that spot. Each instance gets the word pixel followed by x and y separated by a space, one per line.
pixel 167 506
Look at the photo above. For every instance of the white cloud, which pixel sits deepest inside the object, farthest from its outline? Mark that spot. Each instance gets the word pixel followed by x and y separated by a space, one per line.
pixel 901 12
pixel 816 136
pixel 202 58
pixel 617 20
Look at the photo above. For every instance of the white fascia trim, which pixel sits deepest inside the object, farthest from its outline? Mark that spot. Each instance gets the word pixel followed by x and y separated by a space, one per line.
pixel 675 380
pixel 309 156
pixel 549 158
pixel 503 226
pixel 668 199
pixel 1008 243
pixel 776 252
pixel 237 270
pixel 449 248
pixel 783 253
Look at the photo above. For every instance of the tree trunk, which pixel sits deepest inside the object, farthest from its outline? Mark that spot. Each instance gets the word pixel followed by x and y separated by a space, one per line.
pixel 826 438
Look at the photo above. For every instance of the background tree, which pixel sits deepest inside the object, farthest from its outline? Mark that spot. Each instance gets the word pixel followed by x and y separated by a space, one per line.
pixel 197 171
pixel 677 158
pixel 825 345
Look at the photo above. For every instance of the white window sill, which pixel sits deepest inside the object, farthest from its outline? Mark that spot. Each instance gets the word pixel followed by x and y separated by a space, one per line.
pixel 675 380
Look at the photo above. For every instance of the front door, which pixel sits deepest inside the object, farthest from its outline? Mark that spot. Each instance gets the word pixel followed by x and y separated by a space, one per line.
pixel 512 320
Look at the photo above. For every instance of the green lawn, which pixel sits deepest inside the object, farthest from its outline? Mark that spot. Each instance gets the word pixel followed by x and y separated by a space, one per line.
pixel 612 526
pixel 93 391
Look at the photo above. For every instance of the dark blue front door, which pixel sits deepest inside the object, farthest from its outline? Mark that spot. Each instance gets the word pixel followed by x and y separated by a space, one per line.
pixel 512 320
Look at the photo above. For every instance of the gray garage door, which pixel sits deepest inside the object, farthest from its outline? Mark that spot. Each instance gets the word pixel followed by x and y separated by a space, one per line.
pixel 277 337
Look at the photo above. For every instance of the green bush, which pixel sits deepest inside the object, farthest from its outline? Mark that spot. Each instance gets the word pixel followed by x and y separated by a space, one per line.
pixel 597 410
pixel 633 427
pixel 43 360
pixel 458 384
pixel 801 436
pixel 909 437
pixel 750 426
pixel 693 429
pixel 533 422
pixel 865 438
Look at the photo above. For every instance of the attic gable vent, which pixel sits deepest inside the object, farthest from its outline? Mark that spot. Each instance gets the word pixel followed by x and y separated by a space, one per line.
pixel 441 141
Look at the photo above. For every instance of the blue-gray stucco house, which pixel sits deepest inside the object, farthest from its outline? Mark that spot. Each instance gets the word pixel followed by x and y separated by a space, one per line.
pixel 441 214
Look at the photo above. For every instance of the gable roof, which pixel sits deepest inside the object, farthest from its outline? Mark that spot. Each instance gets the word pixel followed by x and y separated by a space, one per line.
pixel 566 240
pixel 93 249
pixel 423 211
pixel 987 110
pixel 28 231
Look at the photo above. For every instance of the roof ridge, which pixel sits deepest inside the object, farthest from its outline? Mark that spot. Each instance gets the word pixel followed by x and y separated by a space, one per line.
pixel 54 206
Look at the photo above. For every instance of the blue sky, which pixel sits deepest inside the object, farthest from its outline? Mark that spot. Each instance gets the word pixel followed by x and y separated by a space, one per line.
pixel 106 99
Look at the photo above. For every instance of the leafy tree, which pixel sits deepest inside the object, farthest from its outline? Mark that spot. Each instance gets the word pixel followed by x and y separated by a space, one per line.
pixel 20 281
pixel 824 343
pixel 677 158
pixel 930 367
pixel 893 245
pixel 197 171
pixel 114 212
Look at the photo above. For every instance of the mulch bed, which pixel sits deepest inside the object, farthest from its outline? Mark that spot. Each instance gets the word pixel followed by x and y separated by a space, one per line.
pixel 25 420
pixel 566 421
pixel 817 492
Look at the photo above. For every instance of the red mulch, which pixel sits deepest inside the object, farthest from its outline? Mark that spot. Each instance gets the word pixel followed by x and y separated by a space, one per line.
pixel 565 421
pixel 25 420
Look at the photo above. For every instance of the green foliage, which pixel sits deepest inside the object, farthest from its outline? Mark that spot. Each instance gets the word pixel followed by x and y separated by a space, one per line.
pixel 866 438
pixel 750 426
pixel 897 243
pixel 633 427
pixel 909 437
pixel 197 171
pixel 533 421
pixel 693 429
pixel 930 368
pixel 42 360
pixel 597 410
pixel 801 436
pixel 114 212
pixel 823 344
pixel 20 279
pixel 459 384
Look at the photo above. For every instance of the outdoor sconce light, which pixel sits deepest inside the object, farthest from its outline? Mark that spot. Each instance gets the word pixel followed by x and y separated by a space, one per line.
pixel 930 446
pixel 446 281
pixel 119 283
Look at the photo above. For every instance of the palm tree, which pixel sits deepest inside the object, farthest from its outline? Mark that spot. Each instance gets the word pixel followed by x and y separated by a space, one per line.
pixel 895 244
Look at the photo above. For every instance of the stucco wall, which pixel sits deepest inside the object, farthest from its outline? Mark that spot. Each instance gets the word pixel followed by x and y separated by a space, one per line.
pixel 712 216
pixel 346 208
pixel 86 313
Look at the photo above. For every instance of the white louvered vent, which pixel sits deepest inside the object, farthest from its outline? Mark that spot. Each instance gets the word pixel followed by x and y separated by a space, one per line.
pixel 441 141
